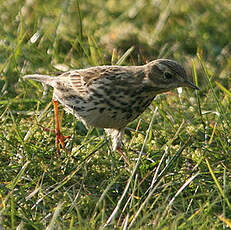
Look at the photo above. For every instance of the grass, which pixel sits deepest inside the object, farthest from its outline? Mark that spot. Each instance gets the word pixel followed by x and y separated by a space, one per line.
pixel 180 176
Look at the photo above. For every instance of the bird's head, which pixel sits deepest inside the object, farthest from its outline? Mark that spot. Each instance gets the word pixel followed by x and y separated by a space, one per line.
pixel 167 74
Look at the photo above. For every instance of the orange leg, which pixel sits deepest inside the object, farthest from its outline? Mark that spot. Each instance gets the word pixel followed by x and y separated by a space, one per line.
pixel 118 149
pixel 59 136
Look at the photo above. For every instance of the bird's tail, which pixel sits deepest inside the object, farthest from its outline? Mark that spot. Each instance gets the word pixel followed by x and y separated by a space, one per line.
pixel 41 78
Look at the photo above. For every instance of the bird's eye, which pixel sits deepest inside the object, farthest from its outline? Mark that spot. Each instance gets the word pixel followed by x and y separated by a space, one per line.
pixel 168 75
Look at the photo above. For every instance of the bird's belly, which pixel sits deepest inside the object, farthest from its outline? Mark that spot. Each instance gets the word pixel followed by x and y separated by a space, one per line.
pixel 105 112
pixel 100 117
pixel 104 119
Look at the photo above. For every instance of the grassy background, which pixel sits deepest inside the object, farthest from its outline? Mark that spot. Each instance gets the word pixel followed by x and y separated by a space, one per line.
pixel 182 178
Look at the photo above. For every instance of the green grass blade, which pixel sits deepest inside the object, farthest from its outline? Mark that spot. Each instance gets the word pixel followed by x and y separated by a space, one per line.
pixel 220 106
pixel 223 89
pixel 125 56
pixel 218 185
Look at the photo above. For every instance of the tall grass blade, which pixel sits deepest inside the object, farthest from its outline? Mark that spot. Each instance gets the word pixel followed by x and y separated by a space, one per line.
pixel 218 185
pixel 125 56
pixel 55 216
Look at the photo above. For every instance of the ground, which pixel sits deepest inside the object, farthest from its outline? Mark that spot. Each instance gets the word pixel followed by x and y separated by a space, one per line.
pixel 179 151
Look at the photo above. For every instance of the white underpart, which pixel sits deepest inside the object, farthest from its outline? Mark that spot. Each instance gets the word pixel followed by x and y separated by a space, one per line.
pixel 116 137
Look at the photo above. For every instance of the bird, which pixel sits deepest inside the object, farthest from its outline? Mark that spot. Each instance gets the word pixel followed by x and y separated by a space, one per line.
pixel 110 96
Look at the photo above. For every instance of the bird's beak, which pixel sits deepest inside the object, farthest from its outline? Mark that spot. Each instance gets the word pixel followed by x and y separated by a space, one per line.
pixel 191 85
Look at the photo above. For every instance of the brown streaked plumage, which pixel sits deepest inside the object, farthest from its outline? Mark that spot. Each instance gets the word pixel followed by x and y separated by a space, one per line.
pixel 110 97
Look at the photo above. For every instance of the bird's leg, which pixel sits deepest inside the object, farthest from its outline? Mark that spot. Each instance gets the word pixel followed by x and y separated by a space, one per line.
pixel 118 149
pixel 116 137
pixel 59 136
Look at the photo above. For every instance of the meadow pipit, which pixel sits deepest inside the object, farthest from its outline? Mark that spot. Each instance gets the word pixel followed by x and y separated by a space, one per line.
pixel 110 97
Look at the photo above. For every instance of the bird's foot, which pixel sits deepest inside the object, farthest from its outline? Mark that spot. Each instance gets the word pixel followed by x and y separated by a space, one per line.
pixel 59 137
pixel 59 140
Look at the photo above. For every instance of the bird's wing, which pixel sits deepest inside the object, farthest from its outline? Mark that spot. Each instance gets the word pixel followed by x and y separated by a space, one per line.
pixel 111 76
